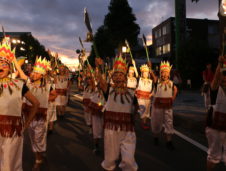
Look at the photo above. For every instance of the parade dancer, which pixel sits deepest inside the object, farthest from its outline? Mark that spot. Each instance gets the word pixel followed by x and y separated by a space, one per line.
pixel 97 102
pixel 131 80
pixel 62 86
pixel 143 94
pixel 162 112
pixel 119 135
pixel 11 126
pixel 207 78
pixel 51 112
pixel 43 91
pixel 216 125
pixel 88 89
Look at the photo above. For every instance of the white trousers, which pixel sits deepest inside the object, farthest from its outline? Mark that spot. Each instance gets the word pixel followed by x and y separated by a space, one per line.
pixel 97 126
pixel 51 112
pixel 162 118
pixel 116 143
pixel 37 133
pixel 61 100
pixel 144 107
pixel 11 153
pixel 217 145
pixel 87 117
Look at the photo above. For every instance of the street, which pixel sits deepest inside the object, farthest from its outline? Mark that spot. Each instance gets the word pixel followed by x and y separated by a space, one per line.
pixel 70 147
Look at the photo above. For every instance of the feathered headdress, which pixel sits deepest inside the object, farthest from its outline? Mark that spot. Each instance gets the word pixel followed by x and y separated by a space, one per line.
pixel 165 65
pixel 144 68
pixel 6 54
pixel 41 65
pixel 120 65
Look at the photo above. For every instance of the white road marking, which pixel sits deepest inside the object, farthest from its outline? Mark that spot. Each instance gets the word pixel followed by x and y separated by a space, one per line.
pixel 195 143
pixel 179 134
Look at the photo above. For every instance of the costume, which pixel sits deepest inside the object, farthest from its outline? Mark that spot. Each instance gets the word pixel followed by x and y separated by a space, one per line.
pixel 51 112
pixel 143 93
pixel 131 81
pixel 97 102
pixel 62 83
pixel 162 112
pixel 216 130
pixel 11 138
pixel 87 93
pixel 38 127
pixel 119 135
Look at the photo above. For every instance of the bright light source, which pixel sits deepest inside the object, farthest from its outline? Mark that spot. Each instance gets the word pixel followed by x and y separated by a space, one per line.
pixel 18 41
pixel 124 49
pixel 73 70
pixel 22 42
pixel 223 8
pixel 26 61
pixel 14 41
pixel 22 49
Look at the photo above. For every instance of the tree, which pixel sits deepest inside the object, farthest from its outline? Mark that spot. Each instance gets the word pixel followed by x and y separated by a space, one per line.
pixel 31 48
pixel 119 24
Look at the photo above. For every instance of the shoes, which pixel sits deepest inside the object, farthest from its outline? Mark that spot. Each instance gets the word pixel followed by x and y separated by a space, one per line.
pixel 170 146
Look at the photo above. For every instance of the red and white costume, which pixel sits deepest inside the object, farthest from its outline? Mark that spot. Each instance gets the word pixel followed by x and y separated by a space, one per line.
pixel 143 93
pixel 162 112
pixel 97 102
pixel 216 134
pixel 51 112
pixel 62 84
pixel 132 82
pixel 38 127
pixel 87 93
pixel 11 138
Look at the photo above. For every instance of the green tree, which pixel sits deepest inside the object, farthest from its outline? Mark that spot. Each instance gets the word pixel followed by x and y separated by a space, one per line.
pixel 31 48
pixel 119 24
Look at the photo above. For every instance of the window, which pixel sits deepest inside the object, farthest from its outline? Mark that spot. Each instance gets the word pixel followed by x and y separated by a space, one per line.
pixel 159 33
pixel 156 34
pixel 159 51
pixel 166 48
pixel 164 31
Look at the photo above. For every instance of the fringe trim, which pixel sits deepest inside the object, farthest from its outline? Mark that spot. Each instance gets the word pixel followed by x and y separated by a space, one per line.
pixel 163 103
pixel 118 121
pixel 41 113
pixel 61 92
pixel 96 109
pixel 143 94
pixel 10 125
pixel 86 102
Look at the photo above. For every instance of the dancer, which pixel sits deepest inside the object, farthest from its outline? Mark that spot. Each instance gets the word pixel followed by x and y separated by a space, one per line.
pixel 119 135
pixel 162 112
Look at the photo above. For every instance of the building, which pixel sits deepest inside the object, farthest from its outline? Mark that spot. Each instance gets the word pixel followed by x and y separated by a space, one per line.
pixel 13 35
pixel 164 38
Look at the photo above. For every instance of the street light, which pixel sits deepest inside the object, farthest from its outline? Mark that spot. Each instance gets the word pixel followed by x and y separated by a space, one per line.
pixel 26 61
pixel 124 49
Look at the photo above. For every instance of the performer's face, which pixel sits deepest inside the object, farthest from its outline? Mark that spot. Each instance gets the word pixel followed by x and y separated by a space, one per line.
pixel 118 77
pixel 131 73
pixel 165 75
pixel 35 76
pixel 145 74
pixel 4 69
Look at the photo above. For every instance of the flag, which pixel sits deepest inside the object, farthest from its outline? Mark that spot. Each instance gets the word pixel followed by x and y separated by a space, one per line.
pixel 144 40
pixel 87 21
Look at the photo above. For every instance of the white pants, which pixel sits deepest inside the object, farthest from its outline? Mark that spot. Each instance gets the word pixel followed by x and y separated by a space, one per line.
pixel 51 112
pixel 11 153
pixel 61 100
pixel 217 145
pixel 162 118
pixel 116 143
pixel 37 132
pixel 144 107
pixel 207 99
pixel 97 126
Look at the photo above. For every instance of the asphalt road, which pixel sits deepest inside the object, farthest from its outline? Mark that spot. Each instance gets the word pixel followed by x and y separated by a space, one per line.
pixel 70 149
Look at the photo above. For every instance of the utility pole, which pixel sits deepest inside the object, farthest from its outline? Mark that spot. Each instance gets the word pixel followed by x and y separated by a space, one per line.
pixel 180 29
